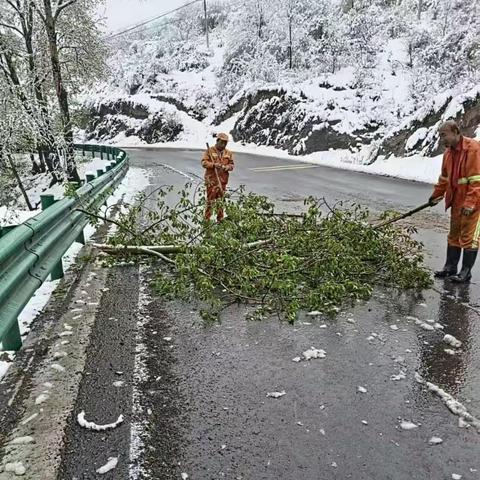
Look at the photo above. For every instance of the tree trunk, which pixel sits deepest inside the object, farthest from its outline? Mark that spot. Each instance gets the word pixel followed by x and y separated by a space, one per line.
pixel 290 48
pixel 62 94
pixel 47 142
pixel 419 9
pixel 206 22
pixel 41 160
pixel 19 181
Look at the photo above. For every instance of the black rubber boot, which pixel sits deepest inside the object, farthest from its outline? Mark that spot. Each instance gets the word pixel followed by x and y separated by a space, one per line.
pixel 450 268
pixel 465 275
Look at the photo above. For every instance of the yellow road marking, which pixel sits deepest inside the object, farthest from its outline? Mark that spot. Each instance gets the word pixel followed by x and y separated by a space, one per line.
pixel 278 168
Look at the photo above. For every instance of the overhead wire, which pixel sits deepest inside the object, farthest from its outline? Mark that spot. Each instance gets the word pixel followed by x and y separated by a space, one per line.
pixel 158 17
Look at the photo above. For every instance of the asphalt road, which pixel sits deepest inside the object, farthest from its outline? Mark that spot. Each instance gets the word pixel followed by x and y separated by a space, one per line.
pixel 194 396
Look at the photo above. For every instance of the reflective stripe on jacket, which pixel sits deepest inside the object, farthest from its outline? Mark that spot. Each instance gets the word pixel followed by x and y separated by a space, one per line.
pixel 467 191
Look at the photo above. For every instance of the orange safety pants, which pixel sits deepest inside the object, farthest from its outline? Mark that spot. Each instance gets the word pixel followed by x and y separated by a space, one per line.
pixel 464 231
pixel 214 193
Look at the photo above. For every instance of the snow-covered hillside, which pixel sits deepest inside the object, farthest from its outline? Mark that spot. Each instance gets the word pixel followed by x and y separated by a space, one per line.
pixel 368 80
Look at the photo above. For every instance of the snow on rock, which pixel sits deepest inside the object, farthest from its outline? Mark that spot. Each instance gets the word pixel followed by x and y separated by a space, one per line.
pixel 406 425
pixel 435 441
pixel 417 137
pixel 456 476
pixel 276 394
pixel 451 340
pixel 449 351
pixel 450 402
pixel 93 426
pixel 184 476
pixel 313 352
pixel 314 313
pixel 393 327
pixel 362 389
pixel 296 359
pixel 110 465
pixel 16 467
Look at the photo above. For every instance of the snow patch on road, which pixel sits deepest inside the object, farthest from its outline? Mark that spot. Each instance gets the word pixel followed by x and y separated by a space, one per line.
pixel 16 467
pixel 93 426
pixel 42 398
pixel 407 425
pixel 276 394
pixel 451 340
pixel 451 403
pixel 110 465
pixel 313 352
pixel 400 376
pixel 22 440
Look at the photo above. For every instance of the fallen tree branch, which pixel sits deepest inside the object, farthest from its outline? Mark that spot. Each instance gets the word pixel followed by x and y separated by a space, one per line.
pixel 109 220
pixel 135 249
pixel 153 248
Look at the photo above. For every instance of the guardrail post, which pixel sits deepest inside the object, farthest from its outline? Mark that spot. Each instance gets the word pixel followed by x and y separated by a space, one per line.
pixel 57 270
pixel 101 152
pixel 108 166
pixel 12 340
pixel 81 238
pixel 83 150
pixel 100 172
pixel 89 177
pixel 93 152
pixel 47 201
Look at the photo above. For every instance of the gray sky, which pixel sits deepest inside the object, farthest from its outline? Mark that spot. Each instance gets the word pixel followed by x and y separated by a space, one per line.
pixel 123 13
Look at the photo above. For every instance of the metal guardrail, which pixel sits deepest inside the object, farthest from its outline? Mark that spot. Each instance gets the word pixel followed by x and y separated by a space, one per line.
pixel 33 250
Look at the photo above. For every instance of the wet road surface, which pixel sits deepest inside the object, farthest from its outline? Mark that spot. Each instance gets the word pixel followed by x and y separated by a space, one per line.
pixel 195 396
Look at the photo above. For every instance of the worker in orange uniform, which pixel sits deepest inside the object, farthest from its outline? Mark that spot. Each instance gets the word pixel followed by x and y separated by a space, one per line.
pixel 459 183
pixel 218 163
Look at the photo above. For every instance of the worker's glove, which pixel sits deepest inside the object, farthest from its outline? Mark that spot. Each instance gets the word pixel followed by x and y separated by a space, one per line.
pixel 467 211
pixel 432 201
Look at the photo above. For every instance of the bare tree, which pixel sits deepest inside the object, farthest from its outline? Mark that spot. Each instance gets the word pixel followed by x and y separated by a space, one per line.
pixel 50 13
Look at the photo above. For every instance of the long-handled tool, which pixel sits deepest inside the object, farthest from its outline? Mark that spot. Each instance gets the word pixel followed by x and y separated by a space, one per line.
pixel 406 215
pixel 215 168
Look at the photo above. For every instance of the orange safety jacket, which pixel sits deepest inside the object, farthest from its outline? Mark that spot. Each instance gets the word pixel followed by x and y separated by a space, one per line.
pixel 213 157
pixel 466 190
